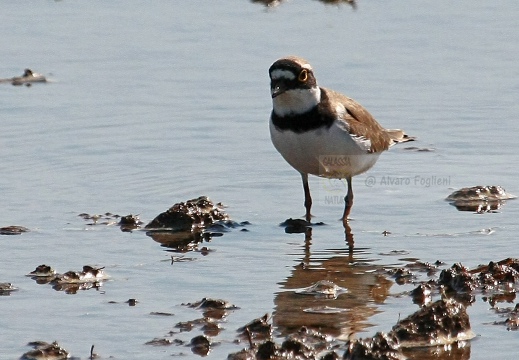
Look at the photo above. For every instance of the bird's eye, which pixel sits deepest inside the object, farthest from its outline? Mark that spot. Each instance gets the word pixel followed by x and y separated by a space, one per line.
pixel 303 75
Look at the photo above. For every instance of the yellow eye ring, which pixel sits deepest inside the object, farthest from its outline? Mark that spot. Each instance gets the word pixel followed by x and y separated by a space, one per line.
pixel 303 75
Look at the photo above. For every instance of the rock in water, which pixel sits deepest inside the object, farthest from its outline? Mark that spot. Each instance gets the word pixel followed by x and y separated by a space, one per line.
pixel 380 347
pixel 440 323
pixel 479 198
pixel 188 216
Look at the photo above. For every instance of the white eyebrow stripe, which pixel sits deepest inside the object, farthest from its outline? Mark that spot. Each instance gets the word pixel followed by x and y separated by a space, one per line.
pixel 279 73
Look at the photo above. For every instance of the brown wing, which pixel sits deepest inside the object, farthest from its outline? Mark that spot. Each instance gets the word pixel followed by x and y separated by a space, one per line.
pixel 360 123
pixel 399 136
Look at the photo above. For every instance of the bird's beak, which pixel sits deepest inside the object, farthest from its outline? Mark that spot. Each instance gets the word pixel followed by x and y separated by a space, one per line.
pixel 277 87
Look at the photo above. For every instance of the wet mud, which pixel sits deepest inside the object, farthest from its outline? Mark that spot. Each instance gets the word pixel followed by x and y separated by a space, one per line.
pixel 441 323
pixel 214 314
pixel 440 328
pixel 301 326
pixel 322 305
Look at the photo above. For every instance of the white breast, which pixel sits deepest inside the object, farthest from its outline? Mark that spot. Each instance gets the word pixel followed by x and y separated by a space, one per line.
pixel 296 101
pixel 323 152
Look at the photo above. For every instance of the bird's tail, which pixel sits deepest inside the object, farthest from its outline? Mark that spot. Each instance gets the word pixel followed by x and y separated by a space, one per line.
pixel 399 136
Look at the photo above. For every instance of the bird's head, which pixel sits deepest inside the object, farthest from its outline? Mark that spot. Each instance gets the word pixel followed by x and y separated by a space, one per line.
pixel 293 86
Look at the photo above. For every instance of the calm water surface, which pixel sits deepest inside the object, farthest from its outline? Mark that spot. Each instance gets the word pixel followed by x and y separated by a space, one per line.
pixel 158 102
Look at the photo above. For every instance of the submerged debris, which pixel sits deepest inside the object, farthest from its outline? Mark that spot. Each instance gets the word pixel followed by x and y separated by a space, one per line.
pixel 308 344
pixel 100 219
pixel 127 223
pixel 274 3
pixel 268 3
pixel 380 347
pixel 161 313
pixel 441 323
pixel 297 226
pixel 43 274
pixel 479 198
pixel 418 149
pixel 42 271
pixel 422 294
pixel 6 288
pixel 71 281
pixel 89 274
pixel 314 340
pixel 499 277
pixel 402 275
pixel 512 318
pixel 257 329
pixel 45 350
pixel 214 311
pixel 13 230
pixel 498 282
pixel 186 326
pixel 208 303
pixel 200 345
pixel 458 278
pixel 423 266
pixel 213 308
pixel 289 349
pixel 132 302
pixel 323 289
pixel 27 78
pixel 159 342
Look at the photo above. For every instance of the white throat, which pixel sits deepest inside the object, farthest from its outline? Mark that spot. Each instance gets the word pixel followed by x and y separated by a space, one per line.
pixel 296 101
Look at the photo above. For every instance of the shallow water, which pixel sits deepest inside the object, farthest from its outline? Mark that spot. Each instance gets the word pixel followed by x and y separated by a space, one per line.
pixel 156 103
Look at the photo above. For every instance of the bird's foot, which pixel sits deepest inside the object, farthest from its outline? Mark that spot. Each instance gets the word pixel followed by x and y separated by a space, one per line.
pixel 308 217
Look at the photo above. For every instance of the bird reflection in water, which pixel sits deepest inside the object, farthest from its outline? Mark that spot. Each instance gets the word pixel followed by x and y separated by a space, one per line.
pixel 363 288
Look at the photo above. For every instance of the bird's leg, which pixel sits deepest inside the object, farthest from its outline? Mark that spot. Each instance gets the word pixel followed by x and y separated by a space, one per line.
pixel 348 203
pixel 348 237
pixel 308 198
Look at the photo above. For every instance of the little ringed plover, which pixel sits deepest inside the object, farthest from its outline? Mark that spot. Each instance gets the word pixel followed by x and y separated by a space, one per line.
pixel 322 132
